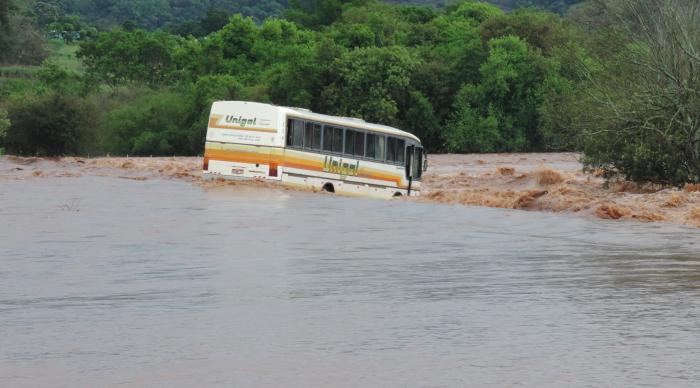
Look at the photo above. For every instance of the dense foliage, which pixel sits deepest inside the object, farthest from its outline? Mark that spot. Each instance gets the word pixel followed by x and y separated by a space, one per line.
pixel 466 78
pixel 184 15
pixel 151 14
pixel 615 78
pixel 21 40
pixel 644 92
pixel 50 124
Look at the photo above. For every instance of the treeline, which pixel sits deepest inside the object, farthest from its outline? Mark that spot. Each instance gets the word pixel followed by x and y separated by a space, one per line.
pixel 21 39
pixel 180 14
pixel 153 14
pixel 466 78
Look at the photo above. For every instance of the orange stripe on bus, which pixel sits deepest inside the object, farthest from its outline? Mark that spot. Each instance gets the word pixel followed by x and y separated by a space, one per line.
pixel 293 161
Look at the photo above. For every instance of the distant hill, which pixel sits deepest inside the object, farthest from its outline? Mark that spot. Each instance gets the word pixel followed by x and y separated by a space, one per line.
pixel 559 6
pixel 151 14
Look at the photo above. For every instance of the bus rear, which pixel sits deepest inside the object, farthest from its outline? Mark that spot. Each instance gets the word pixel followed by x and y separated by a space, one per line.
pixel 244 140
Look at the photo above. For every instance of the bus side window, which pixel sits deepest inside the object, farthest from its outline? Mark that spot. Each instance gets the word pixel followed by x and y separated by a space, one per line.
pixel 400 150
pixel 327 138
pixel 391 149
pixel 312 136
pixel 360 143
pixel 338 140
pixel 380 148
pixel 317 136
pixel 371 143
pixel 349 142
pixel 290 126
pixel 418 163
pixel 297 132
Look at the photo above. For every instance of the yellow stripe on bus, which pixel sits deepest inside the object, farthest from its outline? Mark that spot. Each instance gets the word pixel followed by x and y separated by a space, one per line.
pixel 291 158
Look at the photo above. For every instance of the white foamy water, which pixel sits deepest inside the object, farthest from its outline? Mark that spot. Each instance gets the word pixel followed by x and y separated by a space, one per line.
pixel 113 282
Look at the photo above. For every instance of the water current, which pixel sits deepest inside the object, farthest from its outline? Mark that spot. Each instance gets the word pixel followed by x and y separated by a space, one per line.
pixel 114 282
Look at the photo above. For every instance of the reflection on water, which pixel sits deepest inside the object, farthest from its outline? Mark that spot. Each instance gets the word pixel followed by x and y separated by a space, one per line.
pixel 108 281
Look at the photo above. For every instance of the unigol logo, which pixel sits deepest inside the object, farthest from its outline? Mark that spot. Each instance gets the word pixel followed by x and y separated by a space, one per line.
pixel 240 120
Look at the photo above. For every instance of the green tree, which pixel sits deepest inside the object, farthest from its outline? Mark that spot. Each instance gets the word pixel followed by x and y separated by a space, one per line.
pixel 119 57
pixel 20 39
pixel 370 83
pixel 4 126
pixel 49 125
pixel 641 116
pixel 504 105
pixel 157 123
pixel 56 79
pixel 317 13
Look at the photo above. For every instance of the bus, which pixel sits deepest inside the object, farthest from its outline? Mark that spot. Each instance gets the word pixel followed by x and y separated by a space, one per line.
pixel 297 147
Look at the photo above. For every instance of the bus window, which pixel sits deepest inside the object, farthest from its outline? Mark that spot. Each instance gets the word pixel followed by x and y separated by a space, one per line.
pixel 380 148
pixel 327 138
pixel 338 140
pixel 371 143
pixel 418 163
pixel 290 131
pixel 400 150
pixel 350 142
pixel 360 143
pixel 312 136
pixel 391 149
pixel 295 137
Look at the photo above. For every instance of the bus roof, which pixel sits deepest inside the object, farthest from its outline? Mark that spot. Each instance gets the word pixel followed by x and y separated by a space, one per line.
pixel 340 121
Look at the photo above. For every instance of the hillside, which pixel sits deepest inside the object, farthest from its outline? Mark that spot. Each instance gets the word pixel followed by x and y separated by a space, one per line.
pixel 152 14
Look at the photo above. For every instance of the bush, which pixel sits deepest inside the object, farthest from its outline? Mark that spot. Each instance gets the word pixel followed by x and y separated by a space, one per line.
pixel 501 112
pixel 4 125
pixel 49 125
pixel 645 96
pixel 157 123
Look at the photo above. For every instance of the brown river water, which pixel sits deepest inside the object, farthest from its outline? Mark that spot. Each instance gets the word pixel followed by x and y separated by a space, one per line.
pixel 106 281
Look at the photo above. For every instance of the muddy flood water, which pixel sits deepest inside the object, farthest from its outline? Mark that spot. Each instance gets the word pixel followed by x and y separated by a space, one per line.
pixel 165 283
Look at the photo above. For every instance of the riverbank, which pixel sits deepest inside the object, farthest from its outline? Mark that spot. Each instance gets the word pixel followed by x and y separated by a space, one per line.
pixel 552 182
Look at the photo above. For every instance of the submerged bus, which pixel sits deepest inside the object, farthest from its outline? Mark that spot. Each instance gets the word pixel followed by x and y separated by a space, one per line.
pixel 249 140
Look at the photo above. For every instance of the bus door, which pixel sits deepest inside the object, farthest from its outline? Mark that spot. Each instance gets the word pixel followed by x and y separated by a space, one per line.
pixel 414 164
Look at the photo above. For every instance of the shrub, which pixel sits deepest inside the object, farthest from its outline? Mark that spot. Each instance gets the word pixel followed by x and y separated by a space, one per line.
pixel 154 124
pixel 4 125
pixel 49 125
pixel 643 105
pixel 501 113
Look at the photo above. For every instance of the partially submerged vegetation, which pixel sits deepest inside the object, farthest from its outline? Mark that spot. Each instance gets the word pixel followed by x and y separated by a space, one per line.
pixel 552 182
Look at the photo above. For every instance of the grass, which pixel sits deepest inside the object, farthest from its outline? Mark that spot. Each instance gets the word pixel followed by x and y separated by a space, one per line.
pixel 18 79
pixel 18 71
pixel 64 56
pixel 16 86
pixel 60 53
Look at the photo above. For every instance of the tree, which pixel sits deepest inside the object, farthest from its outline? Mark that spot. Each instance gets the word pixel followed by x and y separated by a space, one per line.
pixel 155 124
pixel 4 126
pixel 20 40
pixel 119 57
pixel 501 112
pixel 645 96
pixel 370 83
pixel 49 125
pixel 317 13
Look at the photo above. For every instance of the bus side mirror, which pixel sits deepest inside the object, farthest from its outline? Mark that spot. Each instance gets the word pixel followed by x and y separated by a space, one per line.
pixel 425 164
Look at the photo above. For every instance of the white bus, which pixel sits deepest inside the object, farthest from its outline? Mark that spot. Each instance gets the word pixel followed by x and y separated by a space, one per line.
pixel 297 147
